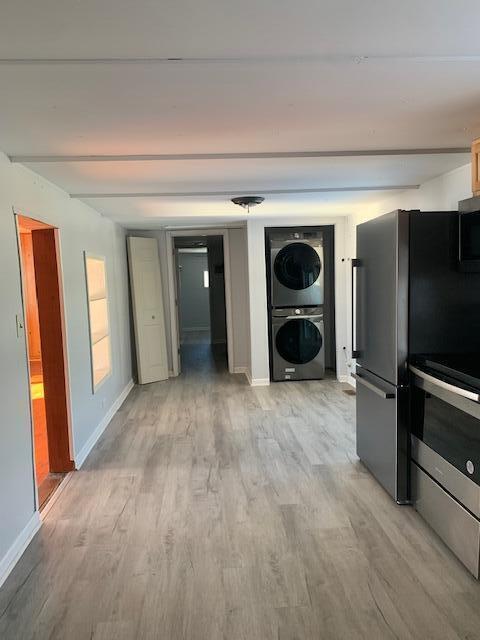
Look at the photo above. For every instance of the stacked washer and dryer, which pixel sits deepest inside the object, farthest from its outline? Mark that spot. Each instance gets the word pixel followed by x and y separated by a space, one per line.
pixel 296 295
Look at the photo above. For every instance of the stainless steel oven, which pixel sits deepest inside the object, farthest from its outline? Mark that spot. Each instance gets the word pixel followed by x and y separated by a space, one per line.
pixel 445 427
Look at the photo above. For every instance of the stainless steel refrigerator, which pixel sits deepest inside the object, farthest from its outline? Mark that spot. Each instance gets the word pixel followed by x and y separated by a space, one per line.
pixel 416 283
pixel 380 344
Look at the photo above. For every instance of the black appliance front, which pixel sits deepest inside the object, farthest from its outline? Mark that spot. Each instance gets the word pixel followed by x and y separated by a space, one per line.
pixel 469 234
pixel 447 430
pixel 445 453
pixel 469 241
pixel 445 410
pixel 444 300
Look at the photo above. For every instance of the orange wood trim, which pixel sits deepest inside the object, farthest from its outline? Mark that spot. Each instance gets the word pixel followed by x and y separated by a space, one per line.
pixel 50 311
pixel 476 167
pixel 64 339
pixel 30 297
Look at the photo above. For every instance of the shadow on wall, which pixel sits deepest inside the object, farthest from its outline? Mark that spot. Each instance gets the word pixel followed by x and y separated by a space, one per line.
pixel 216 269
pixel 133 351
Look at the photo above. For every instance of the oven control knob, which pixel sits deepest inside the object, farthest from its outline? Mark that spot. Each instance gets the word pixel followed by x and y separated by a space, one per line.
pixel 298 312
pixel 470 467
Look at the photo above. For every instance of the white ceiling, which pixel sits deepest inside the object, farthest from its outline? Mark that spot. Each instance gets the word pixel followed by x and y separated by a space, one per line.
pixel 262 76
pixel 95 28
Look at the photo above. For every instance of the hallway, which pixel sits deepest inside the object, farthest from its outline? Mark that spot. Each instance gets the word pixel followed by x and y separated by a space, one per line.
pixel 213 510
pixel 200 357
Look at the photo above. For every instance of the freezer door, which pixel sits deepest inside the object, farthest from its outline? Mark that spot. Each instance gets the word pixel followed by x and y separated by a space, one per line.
pixel 381 281
pixel 382 432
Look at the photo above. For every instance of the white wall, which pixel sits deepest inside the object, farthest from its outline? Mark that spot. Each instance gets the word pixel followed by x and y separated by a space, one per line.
pixel 239 291
pixel 439 194
pixel 259 360
pixel 80 228
pixel 240 298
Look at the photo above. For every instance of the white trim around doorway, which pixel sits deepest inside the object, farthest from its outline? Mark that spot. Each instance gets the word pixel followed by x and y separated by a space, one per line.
pixel 174 338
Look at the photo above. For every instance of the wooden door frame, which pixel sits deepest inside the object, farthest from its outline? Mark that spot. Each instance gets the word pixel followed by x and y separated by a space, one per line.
pixel 172 293
pixel 45 225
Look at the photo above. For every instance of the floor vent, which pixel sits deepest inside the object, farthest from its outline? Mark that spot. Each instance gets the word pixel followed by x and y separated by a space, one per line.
pixel 350 392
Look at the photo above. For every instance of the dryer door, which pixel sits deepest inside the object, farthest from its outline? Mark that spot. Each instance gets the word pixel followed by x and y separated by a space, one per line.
pixel 297 266
pixel 297 275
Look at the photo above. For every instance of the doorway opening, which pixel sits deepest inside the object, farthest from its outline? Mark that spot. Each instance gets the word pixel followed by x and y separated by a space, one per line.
pixel 45 339
pixel 201 303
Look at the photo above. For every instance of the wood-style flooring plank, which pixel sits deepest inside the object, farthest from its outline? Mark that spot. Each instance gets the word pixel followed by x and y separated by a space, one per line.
pixel 210 510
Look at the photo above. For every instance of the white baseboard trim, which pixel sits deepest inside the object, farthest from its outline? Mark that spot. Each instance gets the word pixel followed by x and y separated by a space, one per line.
pixel 348 378
pixel 15 552
pixel 256 382
pixel 260 382
pixel 240 370
pixel 88 446
pixel 55 496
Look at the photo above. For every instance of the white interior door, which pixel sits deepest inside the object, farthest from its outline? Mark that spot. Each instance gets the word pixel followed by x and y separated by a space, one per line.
pixel 148 316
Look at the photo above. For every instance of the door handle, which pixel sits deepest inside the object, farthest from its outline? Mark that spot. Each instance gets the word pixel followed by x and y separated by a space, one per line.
pixel 386 395
pixel 470 395
pixel 355 351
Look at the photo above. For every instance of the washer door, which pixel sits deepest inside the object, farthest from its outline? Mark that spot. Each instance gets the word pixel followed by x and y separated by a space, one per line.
pixel 298 341
pixel 297 266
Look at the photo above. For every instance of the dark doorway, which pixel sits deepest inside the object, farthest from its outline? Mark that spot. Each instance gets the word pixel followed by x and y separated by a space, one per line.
pixel 201 303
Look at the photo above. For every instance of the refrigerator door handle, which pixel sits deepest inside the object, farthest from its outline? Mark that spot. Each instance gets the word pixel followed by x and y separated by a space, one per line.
pixel 355 351
pixel 464 393
pixel 386 395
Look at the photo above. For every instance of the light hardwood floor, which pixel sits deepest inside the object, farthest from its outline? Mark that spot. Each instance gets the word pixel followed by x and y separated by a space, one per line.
pixel 211 510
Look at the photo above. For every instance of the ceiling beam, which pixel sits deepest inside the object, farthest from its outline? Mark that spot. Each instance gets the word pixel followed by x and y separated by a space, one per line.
pixel 199 194
pixel 249 59
pixel 262 155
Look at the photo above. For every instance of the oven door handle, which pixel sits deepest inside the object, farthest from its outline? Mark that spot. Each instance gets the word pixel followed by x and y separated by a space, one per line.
pixel 386 395
pixel 470 395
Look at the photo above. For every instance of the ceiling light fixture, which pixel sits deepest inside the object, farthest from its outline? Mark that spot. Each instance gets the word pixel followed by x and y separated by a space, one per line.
pixel 248 201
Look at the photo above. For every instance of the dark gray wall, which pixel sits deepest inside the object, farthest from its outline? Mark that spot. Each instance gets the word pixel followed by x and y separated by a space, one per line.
pixel 217 289
pixel 194 298
pixel 329 299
